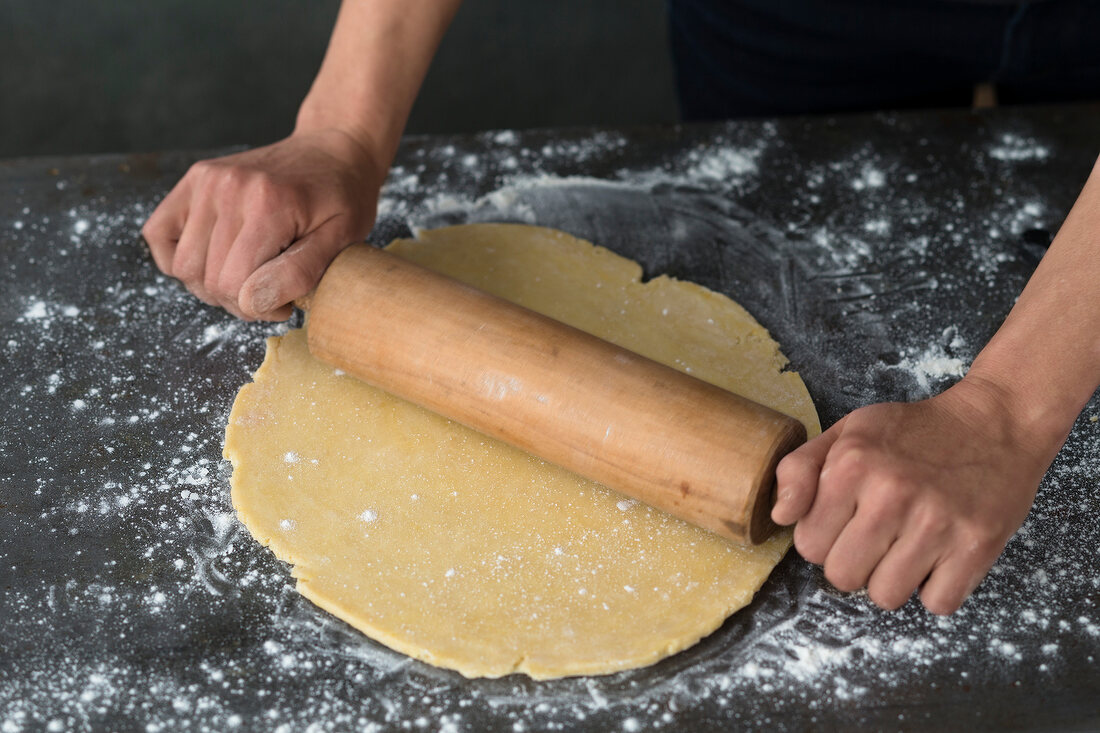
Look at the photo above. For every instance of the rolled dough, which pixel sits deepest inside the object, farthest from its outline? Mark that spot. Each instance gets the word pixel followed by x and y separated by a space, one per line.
pixel 463 552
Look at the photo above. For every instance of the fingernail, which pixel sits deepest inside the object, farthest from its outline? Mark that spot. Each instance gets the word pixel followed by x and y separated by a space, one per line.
pixel 263 300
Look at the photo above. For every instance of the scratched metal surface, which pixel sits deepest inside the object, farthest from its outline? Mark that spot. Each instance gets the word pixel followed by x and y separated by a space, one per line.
pixel 881 251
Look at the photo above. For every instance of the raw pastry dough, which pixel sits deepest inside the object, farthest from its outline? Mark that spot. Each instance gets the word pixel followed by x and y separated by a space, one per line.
pixel 465 553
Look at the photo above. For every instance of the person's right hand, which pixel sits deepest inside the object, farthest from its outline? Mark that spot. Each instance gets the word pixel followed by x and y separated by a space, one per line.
pixel 924 495
pixel 251 232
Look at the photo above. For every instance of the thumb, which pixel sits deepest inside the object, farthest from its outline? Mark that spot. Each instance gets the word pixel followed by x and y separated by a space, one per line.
pixel 797 474
pixel 269 292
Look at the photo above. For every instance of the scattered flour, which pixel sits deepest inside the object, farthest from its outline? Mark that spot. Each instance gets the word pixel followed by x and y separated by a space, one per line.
pixel 869 177
pixel 932 366
pixel 155 562
pixel 723 164
pixel 1013 148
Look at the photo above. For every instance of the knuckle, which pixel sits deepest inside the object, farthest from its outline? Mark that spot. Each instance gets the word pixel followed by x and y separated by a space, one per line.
pixel 831 490
pixel 990 545
pixel 267 197
pixel 851 460
pixel 158 227
pixel 790 484
pixel 879 509
pixel 894 489
pixel 788 469
pixel 807 544
pixel 264 186
pixel 232 178
pixel 933 522
pixel 886 499
pixel 981 541
pixel 889 599
pixel 941 604
pixel 200 170
pixel 842 577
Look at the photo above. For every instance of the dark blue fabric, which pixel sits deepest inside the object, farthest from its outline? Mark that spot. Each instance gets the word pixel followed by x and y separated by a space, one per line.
pixel 744 58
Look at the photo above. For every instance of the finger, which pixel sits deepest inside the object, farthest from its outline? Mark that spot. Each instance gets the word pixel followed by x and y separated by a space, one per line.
pixel 956 577
pixel 163 227
pixel 258 242
pixel 834 504
pixel 902 570
pixel 949 585
pixel 267 294
pixel 796 476
pixel 862 543
pixel 816 533
pixel 222 239
pixel 189 260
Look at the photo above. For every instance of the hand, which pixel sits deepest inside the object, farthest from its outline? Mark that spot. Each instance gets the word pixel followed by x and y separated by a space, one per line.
pixel 253 231
pixel 900 496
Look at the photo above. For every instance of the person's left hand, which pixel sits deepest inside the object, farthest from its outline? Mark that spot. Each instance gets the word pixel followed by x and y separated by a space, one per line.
pixel 252 231
pixel 897 497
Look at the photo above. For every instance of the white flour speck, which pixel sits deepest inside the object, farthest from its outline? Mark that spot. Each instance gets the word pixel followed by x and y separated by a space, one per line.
pixel 932 365
pixel 1016 148
pixel 36 310
pixel 870 177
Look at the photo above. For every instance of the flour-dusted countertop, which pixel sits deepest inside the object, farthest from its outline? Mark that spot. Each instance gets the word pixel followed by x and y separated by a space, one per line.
pixel 882 251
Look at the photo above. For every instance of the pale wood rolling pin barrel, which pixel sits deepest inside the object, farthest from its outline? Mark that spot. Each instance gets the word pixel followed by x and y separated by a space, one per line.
pixel 644 429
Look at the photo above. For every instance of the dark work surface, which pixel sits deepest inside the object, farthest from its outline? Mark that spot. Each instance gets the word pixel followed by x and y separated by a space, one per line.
pixel 881 251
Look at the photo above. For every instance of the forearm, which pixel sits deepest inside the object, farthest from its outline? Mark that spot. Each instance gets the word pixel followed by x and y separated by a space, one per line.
pixel 1045 359
pixel 377 57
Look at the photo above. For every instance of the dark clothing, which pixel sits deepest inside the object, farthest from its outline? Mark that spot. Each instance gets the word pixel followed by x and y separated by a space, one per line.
pixel 743 58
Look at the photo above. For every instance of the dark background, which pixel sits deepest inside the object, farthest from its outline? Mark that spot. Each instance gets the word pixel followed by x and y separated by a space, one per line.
pixel 131 75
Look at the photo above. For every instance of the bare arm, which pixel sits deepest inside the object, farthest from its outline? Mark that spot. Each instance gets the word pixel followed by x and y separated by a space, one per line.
pixel 253 231
pixel 926 495
pixel 376 60
pixel 1045 358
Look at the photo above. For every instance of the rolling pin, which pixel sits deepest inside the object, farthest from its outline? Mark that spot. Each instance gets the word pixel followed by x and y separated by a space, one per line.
pixel 639 427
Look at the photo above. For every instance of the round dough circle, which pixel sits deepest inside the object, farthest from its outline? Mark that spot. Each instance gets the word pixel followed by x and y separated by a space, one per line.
pixel 468 554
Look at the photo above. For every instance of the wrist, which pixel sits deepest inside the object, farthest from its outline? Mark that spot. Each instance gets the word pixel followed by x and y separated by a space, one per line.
pixel 351 146
pixel 323 118
pixel 1035 423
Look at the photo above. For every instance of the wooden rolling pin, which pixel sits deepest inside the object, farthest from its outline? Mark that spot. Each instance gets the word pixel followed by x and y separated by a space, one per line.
pixel 649 431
